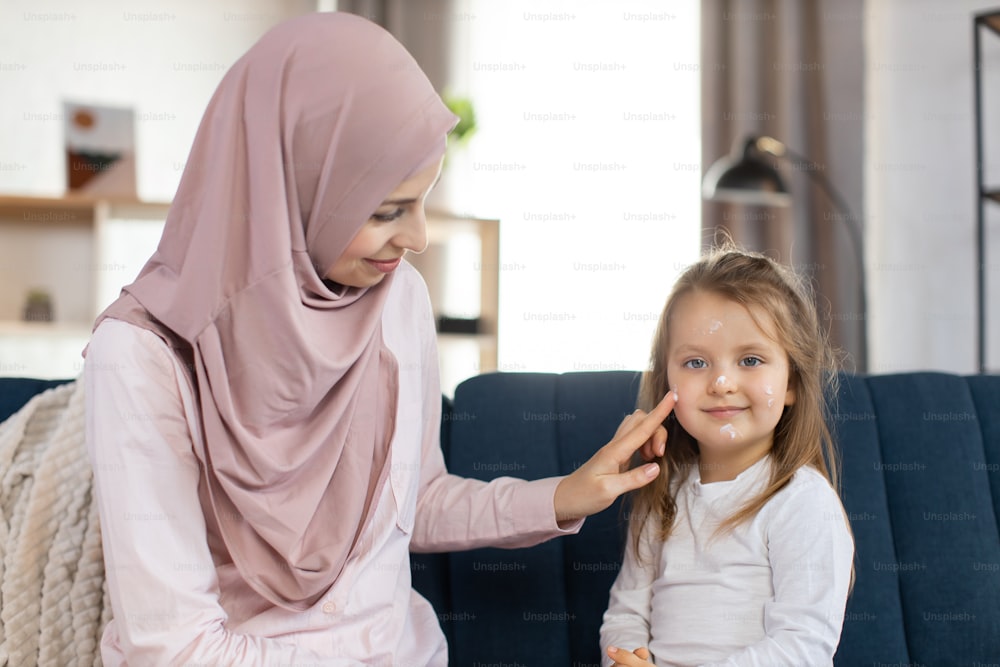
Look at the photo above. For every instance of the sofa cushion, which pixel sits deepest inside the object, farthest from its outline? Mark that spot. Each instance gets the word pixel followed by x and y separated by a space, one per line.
pixel 942 517
pixel 541 605
pixel 508 605
pixel 873 621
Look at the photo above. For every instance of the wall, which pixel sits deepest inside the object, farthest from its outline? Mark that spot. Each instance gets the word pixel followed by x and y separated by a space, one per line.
pixel 920 184
pixel 162 58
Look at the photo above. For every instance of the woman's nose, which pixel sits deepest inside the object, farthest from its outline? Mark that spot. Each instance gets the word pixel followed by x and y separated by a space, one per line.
pixel 412 233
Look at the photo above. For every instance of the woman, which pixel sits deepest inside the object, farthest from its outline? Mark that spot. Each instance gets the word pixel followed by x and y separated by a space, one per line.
pixel 263 401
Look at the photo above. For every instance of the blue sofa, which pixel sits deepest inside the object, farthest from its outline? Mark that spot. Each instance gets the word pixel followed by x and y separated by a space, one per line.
pixel 921 484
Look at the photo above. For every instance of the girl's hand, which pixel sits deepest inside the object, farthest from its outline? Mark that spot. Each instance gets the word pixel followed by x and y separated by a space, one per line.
pixel 624 658
pixel 597 483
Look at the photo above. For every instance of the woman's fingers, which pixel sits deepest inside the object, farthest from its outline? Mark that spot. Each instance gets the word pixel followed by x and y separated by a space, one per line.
pixel 655 446
pixel 638 433
pixel 596 484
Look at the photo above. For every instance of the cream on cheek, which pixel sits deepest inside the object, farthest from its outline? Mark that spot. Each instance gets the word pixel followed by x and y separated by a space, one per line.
pixel 769 390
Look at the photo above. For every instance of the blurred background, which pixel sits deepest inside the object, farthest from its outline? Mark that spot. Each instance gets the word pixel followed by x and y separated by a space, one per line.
pixel 564 217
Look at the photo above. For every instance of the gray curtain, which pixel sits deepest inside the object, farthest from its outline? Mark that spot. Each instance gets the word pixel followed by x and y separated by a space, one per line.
pixel 793 70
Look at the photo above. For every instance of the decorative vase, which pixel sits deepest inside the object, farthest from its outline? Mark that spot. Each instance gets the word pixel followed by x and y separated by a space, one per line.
pixel 38 307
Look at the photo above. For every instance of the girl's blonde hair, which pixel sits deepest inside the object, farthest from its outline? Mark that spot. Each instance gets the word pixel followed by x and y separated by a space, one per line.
pixel 801 437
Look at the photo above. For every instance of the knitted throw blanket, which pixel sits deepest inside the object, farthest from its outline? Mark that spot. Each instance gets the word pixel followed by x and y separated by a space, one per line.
pixel 53 600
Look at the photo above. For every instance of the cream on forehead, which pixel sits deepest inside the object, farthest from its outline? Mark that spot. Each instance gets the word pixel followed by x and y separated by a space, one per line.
pixel 756 314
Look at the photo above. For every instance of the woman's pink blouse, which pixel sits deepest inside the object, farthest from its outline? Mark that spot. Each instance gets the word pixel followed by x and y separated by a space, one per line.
pixel 176 597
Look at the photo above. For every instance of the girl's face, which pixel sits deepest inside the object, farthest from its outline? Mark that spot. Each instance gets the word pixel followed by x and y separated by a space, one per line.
pixel 396 226
pixel 731 378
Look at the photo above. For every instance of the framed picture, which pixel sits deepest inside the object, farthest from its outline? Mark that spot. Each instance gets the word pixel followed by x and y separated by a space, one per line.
pixel 100 150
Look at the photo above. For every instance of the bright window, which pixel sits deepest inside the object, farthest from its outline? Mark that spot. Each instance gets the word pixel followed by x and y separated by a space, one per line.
pixel 588 151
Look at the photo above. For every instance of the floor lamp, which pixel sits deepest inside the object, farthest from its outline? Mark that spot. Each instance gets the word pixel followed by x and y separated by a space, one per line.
pixel 749 176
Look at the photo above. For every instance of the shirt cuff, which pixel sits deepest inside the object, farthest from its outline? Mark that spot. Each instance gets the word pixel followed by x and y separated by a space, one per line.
pixel 534 510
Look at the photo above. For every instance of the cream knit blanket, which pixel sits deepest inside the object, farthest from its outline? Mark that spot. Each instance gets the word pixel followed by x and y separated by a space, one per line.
pixel 53 599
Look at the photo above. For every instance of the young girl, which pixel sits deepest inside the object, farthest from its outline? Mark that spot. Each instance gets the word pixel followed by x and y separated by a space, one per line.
pixel 740 552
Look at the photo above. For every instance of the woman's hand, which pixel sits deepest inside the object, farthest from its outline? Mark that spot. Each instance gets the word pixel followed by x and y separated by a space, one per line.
pixel 597 483
pixel 624 658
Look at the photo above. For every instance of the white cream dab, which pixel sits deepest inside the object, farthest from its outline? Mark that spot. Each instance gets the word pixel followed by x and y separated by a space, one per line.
pixel 730 429
pixel 769 390
pixel 714 326
pixel 721 380
pixel 676 397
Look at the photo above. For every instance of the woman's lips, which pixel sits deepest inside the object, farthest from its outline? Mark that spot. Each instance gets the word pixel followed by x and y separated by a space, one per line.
pixel 387 266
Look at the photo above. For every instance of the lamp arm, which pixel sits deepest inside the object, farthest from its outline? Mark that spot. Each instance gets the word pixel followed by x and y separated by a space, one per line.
pixel 815 173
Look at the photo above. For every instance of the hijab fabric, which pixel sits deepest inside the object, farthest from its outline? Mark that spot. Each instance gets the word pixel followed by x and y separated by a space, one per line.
pixel 305 136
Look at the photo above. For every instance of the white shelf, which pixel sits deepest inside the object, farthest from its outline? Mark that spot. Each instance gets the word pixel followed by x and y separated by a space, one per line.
pixel 51 351
pixel 461 269
pixel 44 329
pixel 82 250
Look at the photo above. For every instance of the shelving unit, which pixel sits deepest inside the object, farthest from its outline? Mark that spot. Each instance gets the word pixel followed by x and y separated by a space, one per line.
pixel 82 250
pixel 990 23
pixel 461 269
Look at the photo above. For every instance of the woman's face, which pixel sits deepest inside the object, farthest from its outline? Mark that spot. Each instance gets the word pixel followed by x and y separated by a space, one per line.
pixel 397 225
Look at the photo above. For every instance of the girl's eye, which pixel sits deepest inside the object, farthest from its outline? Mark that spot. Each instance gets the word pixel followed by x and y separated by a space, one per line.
pixel 694 363
pixel 388 217
pixel 752 361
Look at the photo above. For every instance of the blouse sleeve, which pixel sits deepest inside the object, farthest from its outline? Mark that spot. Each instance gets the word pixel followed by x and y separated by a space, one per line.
pixel 626 621
pixel 160 574
pixel 811 553
pixel 455 513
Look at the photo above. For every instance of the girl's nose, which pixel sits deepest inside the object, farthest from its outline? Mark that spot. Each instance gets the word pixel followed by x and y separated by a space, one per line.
pixel 722 384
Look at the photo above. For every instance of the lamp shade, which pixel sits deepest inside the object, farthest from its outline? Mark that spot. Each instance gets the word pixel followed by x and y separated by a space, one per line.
pixel 745 178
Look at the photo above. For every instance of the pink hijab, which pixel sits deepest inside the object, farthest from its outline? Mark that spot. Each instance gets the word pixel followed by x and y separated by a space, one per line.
pixel 305 136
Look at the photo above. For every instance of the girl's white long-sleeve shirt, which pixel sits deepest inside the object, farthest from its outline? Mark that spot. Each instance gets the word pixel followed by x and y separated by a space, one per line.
pixel 176 596
pixel 771 592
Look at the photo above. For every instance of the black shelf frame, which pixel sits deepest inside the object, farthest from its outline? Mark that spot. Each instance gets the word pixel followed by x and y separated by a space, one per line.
pixel 985 21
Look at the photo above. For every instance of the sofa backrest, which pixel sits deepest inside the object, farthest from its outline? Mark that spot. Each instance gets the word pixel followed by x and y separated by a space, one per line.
pixel 920 482
pixel 15 392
